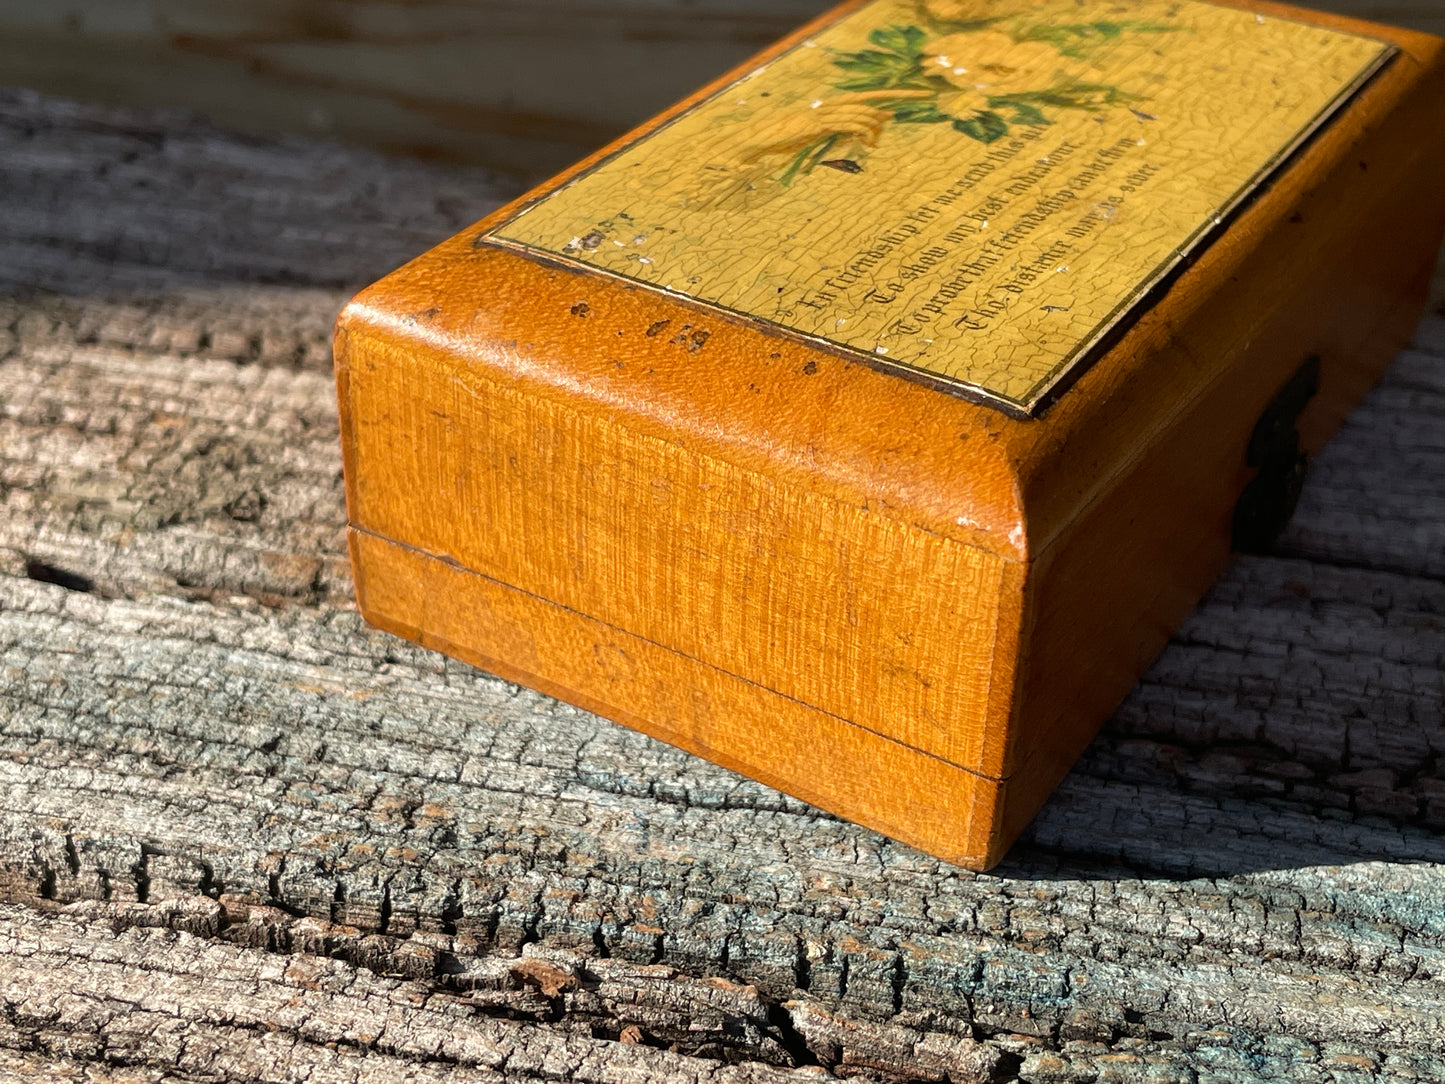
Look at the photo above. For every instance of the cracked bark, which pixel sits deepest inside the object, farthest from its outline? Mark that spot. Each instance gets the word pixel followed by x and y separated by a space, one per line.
pixel 245 837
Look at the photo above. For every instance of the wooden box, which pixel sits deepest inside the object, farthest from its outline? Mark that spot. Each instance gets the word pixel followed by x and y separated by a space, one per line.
pixel 867 422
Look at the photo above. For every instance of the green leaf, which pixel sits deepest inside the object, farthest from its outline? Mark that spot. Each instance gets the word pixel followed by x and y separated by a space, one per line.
pixel 871 69
pixel 1078 39
pixel 903 41
pixel 985 127
pixel 1024 112
pixel 915 112
pixel 870 83
pixel 869 60
pixel 807 159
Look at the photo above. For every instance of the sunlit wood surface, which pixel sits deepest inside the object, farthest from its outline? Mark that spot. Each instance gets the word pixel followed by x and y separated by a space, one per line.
pixel 245 838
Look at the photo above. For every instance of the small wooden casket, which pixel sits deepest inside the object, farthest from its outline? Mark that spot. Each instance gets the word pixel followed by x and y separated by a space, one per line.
pixel 867 422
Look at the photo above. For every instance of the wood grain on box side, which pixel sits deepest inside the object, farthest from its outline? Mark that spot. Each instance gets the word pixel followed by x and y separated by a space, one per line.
pixel 767 580
pixel 832 762
pixel 583 520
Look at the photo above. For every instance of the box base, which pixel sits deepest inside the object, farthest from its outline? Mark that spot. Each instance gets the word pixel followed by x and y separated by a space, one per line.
pixel 911 796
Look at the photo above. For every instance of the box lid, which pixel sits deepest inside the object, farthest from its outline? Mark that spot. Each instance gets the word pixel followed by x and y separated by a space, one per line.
pixel 876 259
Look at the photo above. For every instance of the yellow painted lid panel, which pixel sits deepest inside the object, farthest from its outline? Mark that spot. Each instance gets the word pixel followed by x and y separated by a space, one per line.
pixel 970 192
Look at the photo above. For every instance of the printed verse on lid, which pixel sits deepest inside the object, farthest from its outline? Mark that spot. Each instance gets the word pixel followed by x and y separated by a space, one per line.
pixel 969 192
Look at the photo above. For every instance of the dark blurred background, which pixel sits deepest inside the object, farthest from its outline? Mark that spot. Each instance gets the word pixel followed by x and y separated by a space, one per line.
pixel 521 86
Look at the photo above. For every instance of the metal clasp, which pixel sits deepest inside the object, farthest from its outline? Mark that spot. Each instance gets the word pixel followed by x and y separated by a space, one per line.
pixel 1268 501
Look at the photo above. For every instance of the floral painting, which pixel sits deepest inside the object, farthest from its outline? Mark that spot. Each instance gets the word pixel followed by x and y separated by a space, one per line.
pixel 959 64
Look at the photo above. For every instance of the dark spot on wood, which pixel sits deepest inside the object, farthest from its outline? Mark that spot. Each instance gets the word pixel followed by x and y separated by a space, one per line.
pixel 1296 218
pixel 654 329
pixel 45 572
pixel 810 368
pixel 246 507
pixel 591 241
pixel 581 309
pixel 698 341
pixel 843 165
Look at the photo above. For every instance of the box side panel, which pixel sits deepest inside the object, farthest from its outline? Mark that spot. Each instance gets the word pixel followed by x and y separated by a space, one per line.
pixel 1104 604
pixel 889 627
pixel 913 797
pixel 1100 604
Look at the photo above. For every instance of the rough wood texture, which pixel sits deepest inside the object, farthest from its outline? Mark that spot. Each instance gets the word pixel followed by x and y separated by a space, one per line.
pixel 246 837
pixel 525 85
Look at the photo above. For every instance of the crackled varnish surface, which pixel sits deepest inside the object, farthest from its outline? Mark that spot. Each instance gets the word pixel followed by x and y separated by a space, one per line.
pixel 891 513
pixel 973 194
pixel 246 837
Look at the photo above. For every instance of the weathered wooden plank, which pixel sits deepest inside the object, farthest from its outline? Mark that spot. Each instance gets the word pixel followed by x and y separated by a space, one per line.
pixel 147 185
pixel 164 464
pixel 200 736
pixel 526 87
pixel 119 991
pixel 444 798
pixel 162 1000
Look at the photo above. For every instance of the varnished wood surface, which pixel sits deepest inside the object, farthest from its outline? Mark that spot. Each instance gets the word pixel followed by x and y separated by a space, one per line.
pixel 245 837
pixel 527 86
pixel 907 608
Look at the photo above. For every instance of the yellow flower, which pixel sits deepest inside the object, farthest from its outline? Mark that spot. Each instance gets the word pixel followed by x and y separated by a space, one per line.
pixel 968 11
pixel 847 115
pixel 994 65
